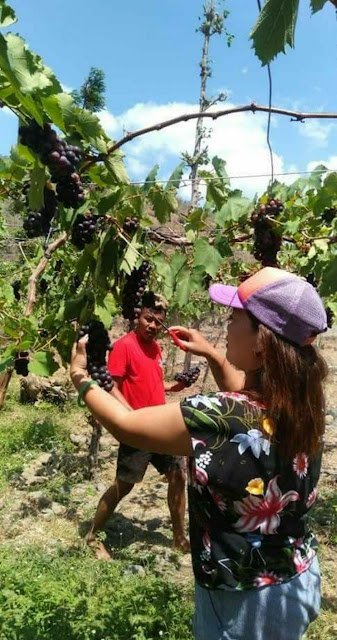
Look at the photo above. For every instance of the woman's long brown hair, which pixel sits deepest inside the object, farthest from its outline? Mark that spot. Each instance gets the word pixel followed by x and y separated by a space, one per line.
pixel 290 384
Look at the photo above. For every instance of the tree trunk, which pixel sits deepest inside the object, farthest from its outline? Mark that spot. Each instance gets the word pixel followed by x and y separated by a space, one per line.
pixel 93 447
pixel 5 379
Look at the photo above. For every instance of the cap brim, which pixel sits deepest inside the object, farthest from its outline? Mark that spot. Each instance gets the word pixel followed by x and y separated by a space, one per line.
pixel 225 295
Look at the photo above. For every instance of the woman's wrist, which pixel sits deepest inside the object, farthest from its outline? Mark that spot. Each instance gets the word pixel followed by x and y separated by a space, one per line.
pixel 79 378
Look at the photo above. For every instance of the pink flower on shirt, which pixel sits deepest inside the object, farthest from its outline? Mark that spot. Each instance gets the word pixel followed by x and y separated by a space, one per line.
pixel 263 512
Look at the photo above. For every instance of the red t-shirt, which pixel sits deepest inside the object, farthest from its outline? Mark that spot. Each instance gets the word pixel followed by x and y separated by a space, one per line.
pixel 139 364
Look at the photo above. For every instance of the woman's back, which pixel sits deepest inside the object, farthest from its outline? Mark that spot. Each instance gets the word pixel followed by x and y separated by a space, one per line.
pixel 248 504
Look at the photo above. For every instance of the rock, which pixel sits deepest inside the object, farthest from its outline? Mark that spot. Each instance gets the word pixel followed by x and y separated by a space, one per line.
pixel 47 513
pixel 30 479
pixel 79 440
pixel 329 419
pixel 39 499
pixel 58 509
pixel 44 458
pixel 26 509
pixel 154 524
pixel 135 569
pixel 104 455
pixel 106 442
pixel 101 487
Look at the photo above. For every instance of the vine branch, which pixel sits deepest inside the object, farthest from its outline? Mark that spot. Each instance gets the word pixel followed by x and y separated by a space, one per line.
pixel 31 294
pixel 295 116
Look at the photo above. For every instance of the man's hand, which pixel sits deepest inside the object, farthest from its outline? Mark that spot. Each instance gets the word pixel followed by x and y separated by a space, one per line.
pixel 193 341
pixel 174 387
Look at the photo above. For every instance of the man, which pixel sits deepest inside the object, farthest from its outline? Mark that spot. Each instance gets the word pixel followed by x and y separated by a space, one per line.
pixel 135 364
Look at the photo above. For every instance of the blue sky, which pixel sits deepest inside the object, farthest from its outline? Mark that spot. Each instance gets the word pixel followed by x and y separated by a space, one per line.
pixel 150 52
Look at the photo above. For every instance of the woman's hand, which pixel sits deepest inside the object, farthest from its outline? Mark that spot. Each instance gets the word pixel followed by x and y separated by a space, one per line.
pixel 193 341
pixel 78 365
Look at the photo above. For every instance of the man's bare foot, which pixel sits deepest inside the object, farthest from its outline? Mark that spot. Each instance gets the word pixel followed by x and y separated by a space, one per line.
pixel 181 544
pixel 97 546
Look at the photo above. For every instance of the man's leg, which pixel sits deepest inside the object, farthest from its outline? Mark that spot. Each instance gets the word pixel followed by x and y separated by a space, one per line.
pixel 177 503
pixel 105 509
pixel 131 466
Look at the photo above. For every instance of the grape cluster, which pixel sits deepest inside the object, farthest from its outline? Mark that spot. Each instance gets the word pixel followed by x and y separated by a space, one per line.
pixel 133 291
pixel 37 223
pixel 21 363
pixel 267 243
pixel 329 215
pixel 130 225
pixel 60 157
pixel 189 377
pixel 97 346
pixel 84 230
pixel 16 289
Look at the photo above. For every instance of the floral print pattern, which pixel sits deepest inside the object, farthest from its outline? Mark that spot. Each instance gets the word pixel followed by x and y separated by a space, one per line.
pixel 263 513
pixel 247 506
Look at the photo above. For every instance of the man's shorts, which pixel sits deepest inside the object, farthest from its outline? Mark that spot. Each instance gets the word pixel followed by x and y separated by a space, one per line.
pixel 132 463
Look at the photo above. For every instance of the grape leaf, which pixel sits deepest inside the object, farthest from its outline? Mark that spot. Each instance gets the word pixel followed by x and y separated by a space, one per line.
pixel 274 28
pixel 21 155
pixel 37 182
pixel 175 177
pixel 116 167
pixel 329 278
pixel 7 15
pixel 233 210
pixel 43 364
pixel 6 364
pixel 183 289
pixel 219 166
pixel 151 178
pixel 131 256
pixel 317 5
pixel 105 309
pixel 54 109
pixel 207 256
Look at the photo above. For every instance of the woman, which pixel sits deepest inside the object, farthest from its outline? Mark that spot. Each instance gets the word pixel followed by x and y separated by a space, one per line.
pixel 254 459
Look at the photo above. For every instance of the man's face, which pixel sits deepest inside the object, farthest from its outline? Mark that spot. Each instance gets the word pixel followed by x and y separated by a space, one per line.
pixel 148 325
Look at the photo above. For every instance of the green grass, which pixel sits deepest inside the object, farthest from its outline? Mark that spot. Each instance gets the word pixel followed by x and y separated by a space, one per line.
pixel 72 596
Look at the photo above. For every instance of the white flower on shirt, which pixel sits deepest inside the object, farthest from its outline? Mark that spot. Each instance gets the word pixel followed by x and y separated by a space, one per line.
pixel 205 400
pixel 254 439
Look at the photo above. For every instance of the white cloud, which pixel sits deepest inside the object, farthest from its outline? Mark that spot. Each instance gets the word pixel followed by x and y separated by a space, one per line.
pixel 244 70
pixel 329 163
pixel 240 139
pixel 66 88
pixel 108 121
pixel 317 132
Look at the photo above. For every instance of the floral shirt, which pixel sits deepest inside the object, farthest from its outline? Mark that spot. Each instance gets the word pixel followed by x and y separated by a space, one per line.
pixel 248 506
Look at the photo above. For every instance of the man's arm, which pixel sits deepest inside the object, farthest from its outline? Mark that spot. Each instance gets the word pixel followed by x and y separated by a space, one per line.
pixel 173 387
pixel 226 376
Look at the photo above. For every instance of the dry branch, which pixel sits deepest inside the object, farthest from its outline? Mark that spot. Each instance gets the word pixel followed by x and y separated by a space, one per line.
pixel 38 271
pixel 296 116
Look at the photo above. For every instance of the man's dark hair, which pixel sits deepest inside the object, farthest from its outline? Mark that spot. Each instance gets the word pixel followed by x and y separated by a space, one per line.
pixel 152 301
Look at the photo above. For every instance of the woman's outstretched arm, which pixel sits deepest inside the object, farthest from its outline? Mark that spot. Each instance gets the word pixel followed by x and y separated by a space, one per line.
pixel 159 429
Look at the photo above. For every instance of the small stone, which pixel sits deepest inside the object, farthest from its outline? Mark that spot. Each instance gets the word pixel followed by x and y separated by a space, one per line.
pixel 101 487
pixel 39 499
pixel 58 509
pixel 47 513
pixel 135 569
pixel 104 455
pixel 44 459
pixel 329 419
pixel 31 479
pixel 78 439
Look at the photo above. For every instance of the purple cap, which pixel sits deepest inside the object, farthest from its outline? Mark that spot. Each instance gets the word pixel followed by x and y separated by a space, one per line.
pixel 285 303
